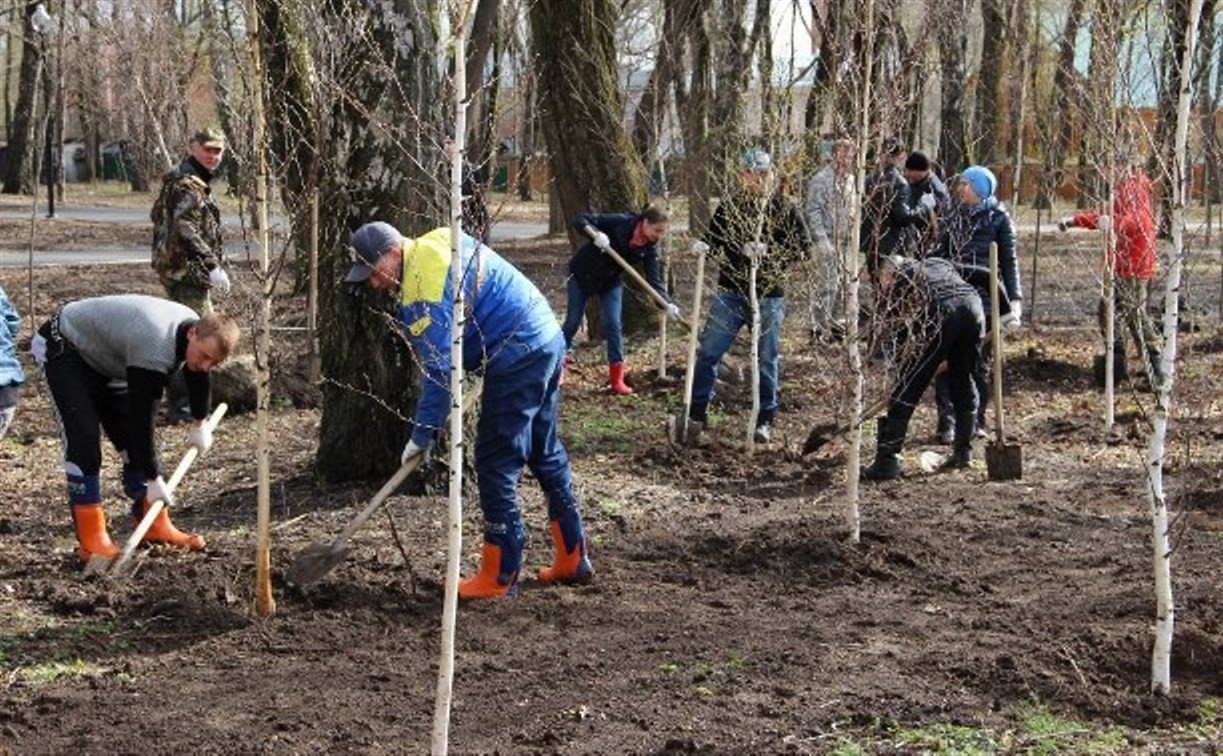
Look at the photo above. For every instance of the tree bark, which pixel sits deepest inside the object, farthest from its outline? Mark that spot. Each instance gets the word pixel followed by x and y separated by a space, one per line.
pixel 378 84
pixel 651 108
pixel 989 82
pixel 1165 124
pixel 1208 102
pixel 594 164
pixel 20 176
pixel 953 50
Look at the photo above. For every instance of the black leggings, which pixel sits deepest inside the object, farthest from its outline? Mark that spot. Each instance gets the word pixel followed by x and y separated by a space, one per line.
pixel 87 404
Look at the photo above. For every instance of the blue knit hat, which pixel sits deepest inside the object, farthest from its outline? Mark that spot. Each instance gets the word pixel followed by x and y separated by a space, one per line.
pixel 982 181
pixel 755 160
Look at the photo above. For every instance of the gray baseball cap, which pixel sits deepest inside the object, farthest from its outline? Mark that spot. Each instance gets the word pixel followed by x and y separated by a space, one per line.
pixel 369 243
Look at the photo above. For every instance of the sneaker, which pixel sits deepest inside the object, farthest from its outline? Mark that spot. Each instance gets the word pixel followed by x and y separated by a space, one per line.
pixel 763 433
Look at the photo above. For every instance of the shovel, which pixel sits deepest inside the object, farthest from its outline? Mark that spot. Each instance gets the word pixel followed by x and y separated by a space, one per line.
pixel 99 564
pixel 824 433
pixel 677 427
pixel 318 559
pixel 1003 461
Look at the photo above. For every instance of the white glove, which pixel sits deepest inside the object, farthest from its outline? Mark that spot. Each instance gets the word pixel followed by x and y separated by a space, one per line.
pixel 1012 320
pixel 159 491
pixel 927 201
pixel 755 250
pixel 1105 223
pixel 409 451
pixel 672 311
pixel 1065 224
pixel 601 241
pixel 219 279
pixel 200 436
pixel 699 247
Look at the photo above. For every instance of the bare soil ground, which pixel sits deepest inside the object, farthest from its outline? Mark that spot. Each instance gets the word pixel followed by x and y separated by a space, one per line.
pixel 729 613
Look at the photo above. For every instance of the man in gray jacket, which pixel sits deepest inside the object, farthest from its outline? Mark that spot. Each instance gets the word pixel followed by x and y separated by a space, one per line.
pixel 830 197
pixel 107 361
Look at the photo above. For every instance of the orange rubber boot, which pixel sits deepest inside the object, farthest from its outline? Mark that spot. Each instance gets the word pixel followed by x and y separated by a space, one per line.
pixel 489 582
pixel 568 566
pixel 163 531
pixel 90 523
pixel 615 379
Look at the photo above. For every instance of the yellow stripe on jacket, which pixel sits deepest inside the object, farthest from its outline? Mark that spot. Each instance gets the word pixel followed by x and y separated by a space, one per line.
pixel 426 267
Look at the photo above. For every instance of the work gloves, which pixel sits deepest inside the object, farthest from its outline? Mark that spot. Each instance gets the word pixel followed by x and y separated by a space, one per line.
pixel 699 247
pixel 927 201
pixel 1065 224
pixel 1104 223
pixel 219 279
pixel 601 241
pixel 1011 320
pixel 411 450
pixel 672 311
pixel 159 491
pixel 200 436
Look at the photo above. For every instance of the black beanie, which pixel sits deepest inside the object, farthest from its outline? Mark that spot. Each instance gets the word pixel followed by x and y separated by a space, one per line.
pixel 917 161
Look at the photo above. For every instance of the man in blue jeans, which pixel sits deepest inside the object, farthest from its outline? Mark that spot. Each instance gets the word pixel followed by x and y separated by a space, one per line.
pixel 753 222
pixel 512 335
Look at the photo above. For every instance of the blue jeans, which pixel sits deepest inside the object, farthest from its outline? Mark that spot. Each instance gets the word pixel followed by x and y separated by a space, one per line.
pixel 727 314
pixel 517 428
pixel 610 301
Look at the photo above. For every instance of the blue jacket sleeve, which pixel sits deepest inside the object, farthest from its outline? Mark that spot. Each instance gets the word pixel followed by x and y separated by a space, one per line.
pixel 428 330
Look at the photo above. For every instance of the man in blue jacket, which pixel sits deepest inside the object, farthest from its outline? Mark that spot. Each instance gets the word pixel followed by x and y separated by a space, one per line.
pixel 11 374
pixel 593 273
pixel 512 336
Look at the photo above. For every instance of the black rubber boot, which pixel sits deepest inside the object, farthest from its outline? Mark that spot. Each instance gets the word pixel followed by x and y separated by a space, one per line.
pixel 887 454
pixel 961 450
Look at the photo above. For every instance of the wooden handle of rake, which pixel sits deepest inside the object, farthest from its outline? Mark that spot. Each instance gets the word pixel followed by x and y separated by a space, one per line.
pixel 639 279
pixel 155 507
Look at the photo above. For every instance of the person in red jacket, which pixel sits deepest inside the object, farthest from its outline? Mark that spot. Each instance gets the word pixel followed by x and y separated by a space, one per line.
pixel 1132 221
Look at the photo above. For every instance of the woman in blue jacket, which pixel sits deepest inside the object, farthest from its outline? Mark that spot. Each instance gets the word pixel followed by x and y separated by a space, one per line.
pixel 593 273
pixel 11 375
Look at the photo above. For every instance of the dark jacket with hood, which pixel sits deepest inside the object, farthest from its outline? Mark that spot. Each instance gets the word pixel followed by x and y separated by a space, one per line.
pixel 965 239
pixel 596 272
pixel 737 222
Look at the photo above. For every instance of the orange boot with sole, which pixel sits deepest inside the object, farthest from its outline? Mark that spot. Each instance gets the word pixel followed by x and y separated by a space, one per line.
pixel 490 581
pixel 163 531
pixel 90 523
pixel 569 565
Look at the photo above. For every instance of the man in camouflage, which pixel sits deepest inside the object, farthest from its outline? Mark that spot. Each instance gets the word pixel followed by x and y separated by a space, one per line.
pixel 187 251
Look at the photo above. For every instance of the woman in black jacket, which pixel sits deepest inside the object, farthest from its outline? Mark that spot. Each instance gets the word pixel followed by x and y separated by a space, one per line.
pixel 593 273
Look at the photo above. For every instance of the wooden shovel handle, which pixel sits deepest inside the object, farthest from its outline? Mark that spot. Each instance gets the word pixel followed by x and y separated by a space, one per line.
pixel 155 507
pixel 406 469
pixel 996 335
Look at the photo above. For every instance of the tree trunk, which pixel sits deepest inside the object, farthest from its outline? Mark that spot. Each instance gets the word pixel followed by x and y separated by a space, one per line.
pixel 1098 112
pixel 989 83
pixel 1165 124
pixel 651 108
pixel 1060 130
pixel 693 102
pixel 594 165
pixel 1208 102
pixel 953 50
pixel 19 175
pixel 483 95
pixel 381 124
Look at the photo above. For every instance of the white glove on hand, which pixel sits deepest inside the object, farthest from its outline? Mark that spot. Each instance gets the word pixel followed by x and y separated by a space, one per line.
pixel 409 451
pixel 700 248
pixel 200 436
pixel 219 279
pixel 159 491
pixel 601 241
pixel 755 250
pixel 1013 319
pixel 1065 224
pixel 927 201
pixel 672 311
pixel 1105 223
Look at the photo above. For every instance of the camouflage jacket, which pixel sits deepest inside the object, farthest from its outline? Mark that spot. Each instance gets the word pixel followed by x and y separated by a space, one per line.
pixel 186 226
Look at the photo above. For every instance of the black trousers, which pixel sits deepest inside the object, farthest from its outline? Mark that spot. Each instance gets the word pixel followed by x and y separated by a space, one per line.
pixel 87 404
pixel 958 341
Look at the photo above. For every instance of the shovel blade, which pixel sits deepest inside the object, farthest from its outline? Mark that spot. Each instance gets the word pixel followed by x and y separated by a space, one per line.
pixel 315 561
pixel 1004 461
pixel 818 437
